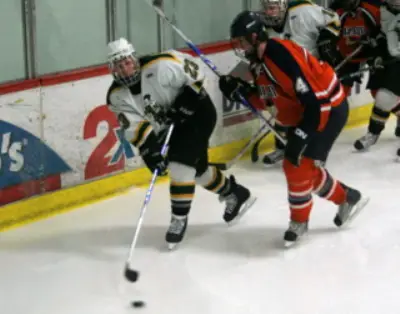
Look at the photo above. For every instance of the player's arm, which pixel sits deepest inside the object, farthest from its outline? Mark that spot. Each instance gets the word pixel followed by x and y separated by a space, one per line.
pixel 137 129
pixel 316 103
pixel 188 78
pixel 328 25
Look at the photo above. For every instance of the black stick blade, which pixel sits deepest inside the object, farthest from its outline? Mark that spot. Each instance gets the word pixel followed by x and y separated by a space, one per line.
pixel 131 275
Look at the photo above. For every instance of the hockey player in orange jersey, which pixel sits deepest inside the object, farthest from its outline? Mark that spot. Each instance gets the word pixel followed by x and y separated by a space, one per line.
pixel 361 24
pixel 311 102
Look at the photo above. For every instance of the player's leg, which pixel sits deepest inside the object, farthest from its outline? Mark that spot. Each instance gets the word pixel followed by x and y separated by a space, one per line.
pixel 349 200
pixel 236 197
pixel 324 185
pixel 299 184
pixel 385 81
pixel 277 154
pixel 300 180
pixel 182 169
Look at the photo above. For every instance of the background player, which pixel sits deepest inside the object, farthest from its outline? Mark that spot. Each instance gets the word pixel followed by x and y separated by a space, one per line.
pixel 149 94
pixel 361 25
pixel 316 110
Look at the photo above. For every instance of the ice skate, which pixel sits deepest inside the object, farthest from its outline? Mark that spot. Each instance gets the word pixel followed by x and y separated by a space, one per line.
pixel 273 157
pixel 238 201
pixel 366 141
pixel 351 208
pixel 176 231
pixel 295 231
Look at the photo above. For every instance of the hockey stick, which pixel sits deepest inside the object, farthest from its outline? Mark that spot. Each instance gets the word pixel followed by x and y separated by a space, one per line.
pixel 156 5
pixel 131 274
pixel 367 68
pixel 254 156
pixel 229 164
pixel 350 56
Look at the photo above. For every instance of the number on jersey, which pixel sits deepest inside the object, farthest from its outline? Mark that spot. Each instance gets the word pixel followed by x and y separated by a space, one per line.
pixel 301 87
pixel 192 68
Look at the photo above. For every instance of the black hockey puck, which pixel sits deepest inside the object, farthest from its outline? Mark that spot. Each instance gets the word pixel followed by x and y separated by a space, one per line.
pixel 138 304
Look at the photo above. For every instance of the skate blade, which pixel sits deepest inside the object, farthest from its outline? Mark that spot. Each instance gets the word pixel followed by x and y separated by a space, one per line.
pixel 172 246
pixel 291 244
pixel 359 207
pixel 245 208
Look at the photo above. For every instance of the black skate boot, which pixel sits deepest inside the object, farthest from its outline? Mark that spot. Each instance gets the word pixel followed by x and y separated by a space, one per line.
pixel 350 208
pixel 238 200
pixel 366 141
pixel 176 230
pixel 295 231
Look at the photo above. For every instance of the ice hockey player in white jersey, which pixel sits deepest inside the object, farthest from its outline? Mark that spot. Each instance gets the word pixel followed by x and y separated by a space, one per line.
pixel 152 92
pixel 386 75
pixel 309 25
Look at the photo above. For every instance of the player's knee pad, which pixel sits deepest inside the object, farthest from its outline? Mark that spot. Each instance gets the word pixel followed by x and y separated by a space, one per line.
pixel 181 173
pixel 385 99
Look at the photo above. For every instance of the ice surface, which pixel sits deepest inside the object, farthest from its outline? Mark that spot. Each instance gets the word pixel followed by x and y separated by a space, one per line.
pixel 73 263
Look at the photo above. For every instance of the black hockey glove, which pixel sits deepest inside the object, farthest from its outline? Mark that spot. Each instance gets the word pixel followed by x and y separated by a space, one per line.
pixel 185 105
pixel 151 155
pixel 327 47
pixel 346 74
pixel 230 86
pixel 297 141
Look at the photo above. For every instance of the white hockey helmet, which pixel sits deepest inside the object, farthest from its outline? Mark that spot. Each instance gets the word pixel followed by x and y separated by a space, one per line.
pixel 274 11
pixel 123 62
pixel 393 4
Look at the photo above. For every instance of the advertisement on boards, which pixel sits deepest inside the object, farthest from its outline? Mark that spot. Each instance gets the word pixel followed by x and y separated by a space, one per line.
pixel 112 150
pixel 28 166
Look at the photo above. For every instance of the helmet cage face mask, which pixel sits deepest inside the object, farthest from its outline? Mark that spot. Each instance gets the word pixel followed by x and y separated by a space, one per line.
pixel 247 31
pixel 243 49
pixel 125 70
pixel 274 12
pixel 123 63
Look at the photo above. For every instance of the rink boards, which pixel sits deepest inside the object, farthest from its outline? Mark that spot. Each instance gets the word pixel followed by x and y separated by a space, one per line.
pixel 60 146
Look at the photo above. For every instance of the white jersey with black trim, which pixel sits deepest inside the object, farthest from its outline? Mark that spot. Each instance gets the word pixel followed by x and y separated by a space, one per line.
pixel 390 23
pixel 163 76
pixel 304 21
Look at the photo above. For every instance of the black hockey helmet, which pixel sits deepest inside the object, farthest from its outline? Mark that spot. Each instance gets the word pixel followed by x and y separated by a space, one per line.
pixel 347 5
pixel 247 29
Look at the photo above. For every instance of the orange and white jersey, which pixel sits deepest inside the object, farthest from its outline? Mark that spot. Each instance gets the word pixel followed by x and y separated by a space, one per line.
pixel 302 88
pixel 364 21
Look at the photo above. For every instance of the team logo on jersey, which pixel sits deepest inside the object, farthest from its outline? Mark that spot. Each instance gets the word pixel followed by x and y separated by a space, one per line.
pixel 353 31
